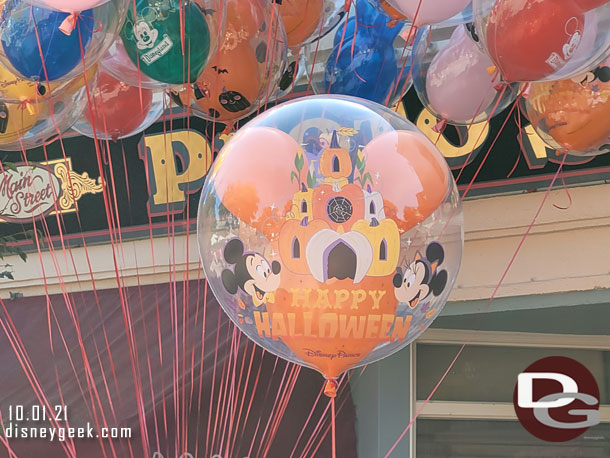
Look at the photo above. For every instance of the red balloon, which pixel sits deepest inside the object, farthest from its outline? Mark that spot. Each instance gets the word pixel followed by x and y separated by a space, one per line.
pixel 117 107
pixel 587 5
pixel 531 39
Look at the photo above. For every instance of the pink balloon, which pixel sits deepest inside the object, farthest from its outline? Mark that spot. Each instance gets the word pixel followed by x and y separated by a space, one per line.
pixel 429 11
pixel 69 6
pixel 459 85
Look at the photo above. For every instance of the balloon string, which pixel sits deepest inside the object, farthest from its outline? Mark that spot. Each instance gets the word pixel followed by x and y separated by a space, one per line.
pixel 565 188
pixel 334 432
pixel 438 384
pixel 546 195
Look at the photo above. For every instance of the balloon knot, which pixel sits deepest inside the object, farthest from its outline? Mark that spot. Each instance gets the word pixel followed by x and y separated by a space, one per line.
pixel 229 128
pixel 69 23
pixel 409 34
pixel 526 90
pixel 330 388
pixel 440 126
pixel 26 104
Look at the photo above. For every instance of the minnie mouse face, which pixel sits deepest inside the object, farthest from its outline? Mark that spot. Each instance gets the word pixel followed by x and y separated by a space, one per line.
pixel 252 273
pixel 411 286
pixel 422 277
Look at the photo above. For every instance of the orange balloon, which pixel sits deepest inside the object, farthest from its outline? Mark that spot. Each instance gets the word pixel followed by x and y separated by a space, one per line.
pixel 391 11
pixel 301 19
pixel 246 191
pixel 576 112
pixel 231 83
pixel 412 175
pixel 336 318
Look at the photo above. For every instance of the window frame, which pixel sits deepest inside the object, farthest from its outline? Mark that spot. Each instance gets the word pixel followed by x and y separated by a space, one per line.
pixel 456 410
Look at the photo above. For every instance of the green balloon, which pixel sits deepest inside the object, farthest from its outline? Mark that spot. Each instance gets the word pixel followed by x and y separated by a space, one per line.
pixel 154 38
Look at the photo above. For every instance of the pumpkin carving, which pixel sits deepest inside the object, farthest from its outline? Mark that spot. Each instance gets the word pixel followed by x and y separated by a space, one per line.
pixel 385 241
pixel 302 203
pixel 294 237
pixel 339 207
pixel 335 163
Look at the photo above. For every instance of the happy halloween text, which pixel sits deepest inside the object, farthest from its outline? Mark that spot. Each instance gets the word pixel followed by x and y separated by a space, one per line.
pixel 302 323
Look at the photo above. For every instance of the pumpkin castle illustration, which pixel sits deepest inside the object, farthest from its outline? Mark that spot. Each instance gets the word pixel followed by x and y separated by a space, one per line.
pixel 337 227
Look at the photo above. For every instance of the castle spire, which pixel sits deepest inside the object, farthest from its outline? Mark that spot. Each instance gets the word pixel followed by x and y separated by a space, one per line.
pixel 334 143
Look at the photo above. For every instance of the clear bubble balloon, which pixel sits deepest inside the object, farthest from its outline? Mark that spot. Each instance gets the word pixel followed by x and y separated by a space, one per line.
pixel 342 246
pixel 47 45
pixel 246 70
pixel 118 110
pixel 371 58
pixel 455 79
pixel 68 6
pixel 117 63
pixel 334 14
pixel 573 114
pixel 543 40
pixel 172 41
pixel 32 113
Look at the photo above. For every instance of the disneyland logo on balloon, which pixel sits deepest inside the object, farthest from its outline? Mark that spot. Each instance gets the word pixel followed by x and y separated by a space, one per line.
pixel 339 354
pixel 27 192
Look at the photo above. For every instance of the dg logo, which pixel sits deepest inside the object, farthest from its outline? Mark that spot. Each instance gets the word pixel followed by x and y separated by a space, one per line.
pixel 557 399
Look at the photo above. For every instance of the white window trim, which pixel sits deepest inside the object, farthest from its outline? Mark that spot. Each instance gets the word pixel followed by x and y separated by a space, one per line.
pixel 514 339
pixel 496 410
pixel 452 410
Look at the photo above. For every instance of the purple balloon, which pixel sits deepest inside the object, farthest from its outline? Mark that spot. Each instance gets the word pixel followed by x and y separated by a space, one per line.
pixel 459 82
pixel 423 12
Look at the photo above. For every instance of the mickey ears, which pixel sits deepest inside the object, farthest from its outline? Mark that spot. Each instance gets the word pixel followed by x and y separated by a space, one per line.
pixel 229 280
pixel 603 74
pixel 234 250
pixel 397 280
pixel 435 253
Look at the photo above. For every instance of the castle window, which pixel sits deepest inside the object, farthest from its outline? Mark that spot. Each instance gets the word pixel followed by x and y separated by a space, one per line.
pixel 383 250
pixel 303 206
pixel 336 165
pixel 372 208
pixel 296 248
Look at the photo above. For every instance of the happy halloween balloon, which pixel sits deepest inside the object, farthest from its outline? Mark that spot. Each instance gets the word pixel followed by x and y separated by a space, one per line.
pixel 340 247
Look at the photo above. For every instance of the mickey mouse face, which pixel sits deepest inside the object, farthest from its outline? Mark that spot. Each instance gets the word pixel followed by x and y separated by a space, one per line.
pixel 233 101
pixel 264 278
pixel 252 272
pixel 411 286
pixel 145 35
